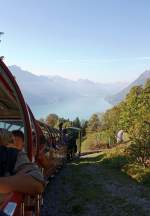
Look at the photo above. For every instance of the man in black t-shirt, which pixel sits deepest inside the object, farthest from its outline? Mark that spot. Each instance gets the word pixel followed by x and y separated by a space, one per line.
pixel 17 172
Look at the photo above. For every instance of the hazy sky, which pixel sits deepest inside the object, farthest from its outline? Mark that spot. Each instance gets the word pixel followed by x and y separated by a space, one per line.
pixel 102 40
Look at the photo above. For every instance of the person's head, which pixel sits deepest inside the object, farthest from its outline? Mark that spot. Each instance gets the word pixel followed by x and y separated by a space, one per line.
pixel 60 125
pixel 64 131
pixel 17 139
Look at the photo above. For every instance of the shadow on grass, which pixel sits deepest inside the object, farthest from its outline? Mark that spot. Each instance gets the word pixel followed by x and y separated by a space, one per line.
pixel 116 162
pixel 113 164
pixel 146 179
pixel 92 159
pixel 119 165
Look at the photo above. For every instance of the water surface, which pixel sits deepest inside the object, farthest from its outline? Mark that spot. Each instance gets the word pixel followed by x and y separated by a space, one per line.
pixel 82 107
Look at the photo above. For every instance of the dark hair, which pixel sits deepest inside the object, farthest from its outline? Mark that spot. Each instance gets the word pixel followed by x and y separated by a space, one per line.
pixel 1 140
pixel 8 158
pixel 60 125
pixel 65 130
pixel 18 133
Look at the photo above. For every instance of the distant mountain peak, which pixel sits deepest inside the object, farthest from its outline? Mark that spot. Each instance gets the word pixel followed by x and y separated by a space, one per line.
pixel 145 74
pixel 15 67
pixel 141 80
pixel 86 81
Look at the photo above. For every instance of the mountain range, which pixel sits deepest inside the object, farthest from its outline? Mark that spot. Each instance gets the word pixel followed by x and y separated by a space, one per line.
pixel 42 90
pixel 141 80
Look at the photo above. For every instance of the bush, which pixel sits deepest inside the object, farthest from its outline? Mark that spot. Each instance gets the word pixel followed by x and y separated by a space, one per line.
pixel 139 150
pixel 138 172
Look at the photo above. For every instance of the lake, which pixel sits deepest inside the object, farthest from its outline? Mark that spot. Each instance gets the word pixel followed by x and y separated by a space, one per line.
pixel 82 107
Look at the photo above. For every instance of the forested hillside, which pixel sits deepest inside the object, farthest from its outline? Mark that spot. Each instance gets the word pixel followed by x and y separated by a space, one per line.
pixel 133 117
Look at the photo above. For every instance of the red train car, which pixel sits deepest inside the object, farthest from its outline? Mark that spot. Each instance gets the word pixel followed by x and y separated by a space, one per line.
pixel 43 144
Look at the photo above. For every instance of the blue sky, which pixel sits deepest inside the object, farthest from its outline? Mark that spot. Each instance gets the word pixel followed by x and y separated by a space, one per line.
pixel 101 40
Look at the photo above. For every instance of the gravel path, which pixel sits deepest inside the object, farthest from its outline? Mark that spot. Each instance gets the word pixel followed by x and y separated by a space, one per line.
pixel 87 188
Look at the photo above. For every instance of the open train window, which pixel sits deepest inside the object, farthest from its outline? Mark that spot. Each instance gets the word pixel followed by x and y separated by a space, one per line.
pixel 6 126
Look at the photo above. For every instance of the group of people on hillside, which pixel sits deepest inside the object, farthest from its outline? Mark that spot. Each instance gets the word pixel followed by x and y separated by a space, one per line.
pixel 69 139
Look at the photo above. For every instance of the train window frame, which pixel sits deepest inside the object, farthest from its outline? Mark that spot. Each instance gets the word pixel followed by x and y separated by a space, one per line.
pixel 10 87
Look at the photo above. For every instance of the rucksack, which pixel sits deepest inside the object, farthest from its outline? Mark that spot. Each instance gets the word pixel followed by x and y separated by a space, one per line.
pixel 8 158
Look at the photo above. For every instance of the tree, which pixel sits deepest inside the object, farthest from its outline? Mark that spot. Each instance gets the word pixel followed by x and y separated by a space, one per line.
pixel 67 124
pixel 42 120
pixel 77 123
pixel 84 125
pixel 110 122
pixel 94 123
pixel 139 150
pixel 51 120
pixel 130 109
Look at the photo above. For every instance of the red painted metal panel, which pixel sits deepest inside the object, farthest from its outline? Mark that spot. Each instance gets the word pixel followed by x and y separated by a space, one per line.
pixel 15 198
pixel 23 105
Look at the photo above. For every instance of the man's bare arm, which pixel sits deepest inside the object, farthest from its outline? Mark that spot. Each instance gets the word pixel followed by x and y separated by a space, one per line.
pixel 20 183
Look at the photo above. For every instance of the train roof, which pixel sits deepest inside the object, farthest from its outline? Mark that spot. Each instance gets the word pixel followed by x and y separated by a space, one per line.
pixel 12 105
pixel 11 99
